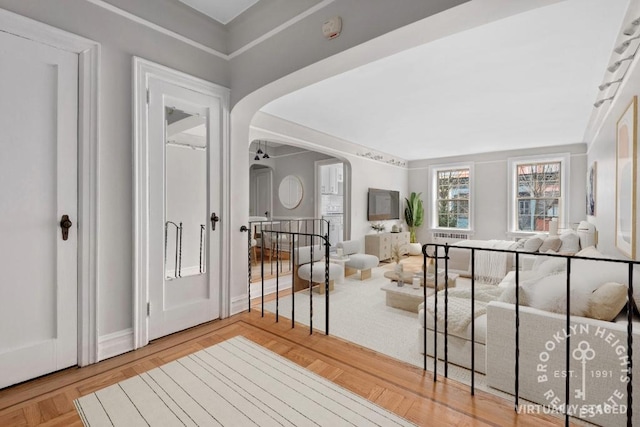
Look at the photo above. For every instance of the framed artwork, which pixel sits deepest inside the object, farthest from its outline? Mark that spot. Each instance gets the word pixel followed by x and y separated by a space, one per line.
pixel 626 165
pixel 591 189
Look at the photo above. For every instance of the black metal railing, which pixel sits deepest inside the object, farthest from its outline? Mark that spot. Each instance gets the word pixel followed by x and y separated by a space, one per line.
pixel 289 235
pixel 440 253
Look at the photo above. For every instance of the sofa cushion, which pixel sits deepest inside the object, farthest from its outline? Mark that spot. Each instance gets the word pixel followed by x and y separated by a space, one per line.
pixel 570 242
pixel 532 244
pixel 303 254
pixel 607 301
pixel 551 243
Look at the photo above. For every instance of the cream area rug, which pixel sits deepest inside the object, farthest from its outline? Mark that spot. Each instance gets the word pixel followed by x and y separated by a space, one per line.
pixel 234 383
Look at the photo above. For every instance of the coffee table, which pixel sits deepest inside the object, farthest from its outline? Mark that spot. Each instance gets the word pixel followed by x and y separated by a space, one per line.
pixel 404 297
pixel 407 278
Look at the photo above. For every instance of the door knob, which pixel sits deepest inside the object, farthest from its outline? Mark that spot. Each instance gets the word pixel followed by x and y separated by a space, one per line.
pixel 214 218
pixel 65 225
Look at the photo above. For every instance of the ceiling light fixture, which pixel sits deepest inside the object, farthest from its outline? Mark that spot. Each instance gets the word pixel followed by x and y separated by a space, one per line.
pixel 603 86
pixel 613 67
pixel 266 155
pixel 632 27
pixel 624 45
pixel 259 149
pixel 599 102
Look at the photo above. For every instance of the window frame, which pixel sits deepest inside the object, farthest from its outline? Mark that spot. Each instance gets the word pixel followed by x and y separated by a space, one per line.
pixel 433 202
pixel 563 205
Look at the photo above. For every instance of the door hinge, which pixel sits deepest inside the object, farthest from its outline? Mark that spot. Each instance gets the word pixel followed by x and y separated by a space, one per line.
pixel 148 96
pixel 148 309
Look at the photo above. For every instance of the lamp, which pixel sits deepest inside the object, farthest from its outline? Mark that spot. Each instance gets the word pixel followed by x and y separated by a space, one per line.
pixel 266 155
pixel 599 102
pixel 259 149
pixel 613 67
pixel 256 157
pixel 603 86
pixel 624 45
pixel 631 28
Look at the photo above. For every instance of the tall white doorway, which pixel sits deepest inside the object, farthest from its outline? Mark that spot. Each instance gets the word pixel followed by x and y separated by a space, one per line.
pixel 179 180
pixel 261 190
pixel 38 209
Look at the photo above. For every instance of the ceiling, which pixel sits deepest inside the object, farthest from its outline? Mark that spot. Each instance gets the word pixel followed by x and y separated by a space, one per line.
pixel 223 11
pixel 526 81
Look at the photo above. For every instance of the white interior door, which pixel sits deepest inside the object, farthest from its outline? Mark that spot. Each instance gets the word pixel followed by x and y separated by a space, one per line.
pixel 264 188
pixel 38 172
pixel 184 194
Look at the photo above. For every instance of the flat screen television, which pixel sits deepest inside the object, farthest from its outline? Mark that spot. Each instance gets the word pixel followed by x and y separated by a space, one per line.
pixel 383 205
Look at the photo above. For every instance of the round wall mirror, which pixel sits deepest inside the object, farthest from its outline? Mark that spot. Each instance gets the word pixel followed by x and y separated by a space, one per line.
pixel 290 191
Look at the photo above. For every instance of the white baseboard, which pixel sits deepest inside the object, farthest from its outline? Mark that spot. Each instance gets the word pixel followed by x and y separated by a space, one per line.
pixel 240 303
pixel 115 344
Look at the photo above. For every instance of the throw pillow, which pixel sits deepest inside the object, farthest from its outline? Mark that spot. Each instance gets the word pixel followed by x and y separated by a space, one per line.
pixel 532 244
pixel 552 243
pixel 509 295
pixel 570 242
pixel 549 294
pixel 607 301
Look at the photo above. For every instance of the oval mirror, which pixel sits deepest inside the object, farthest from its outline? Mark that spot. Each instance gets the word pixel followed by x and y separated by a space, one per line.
pixel 290 191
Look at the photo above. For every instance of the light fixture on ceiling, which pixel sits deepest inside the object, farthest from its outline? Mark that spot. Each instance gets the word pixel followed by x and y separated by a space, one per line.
pixel 599 102
pixel 624 45
pixel 266 155
pixel 632 27
pixel 613 67
pixel 259 149
pixel 603 86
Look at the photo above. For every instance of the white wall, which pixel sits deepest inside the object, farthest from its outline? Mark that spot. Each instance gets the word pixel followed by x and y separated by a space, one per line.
pixel 301 165
pixel 602 149
pixel 490 188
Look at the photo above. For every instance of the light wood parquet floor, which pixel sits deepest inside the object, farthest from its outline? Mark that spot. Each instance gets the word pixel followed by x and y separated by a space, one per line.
pixel 401 388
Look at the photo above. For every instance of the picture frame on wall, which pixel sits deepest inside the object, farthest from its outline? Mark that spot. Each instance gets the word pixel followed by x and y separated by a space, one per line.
pixel 592 174
pixel 626 173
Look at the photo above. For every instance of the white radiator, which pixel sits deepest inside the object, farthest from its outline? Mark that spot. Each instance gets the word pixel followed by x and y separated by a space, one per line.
pixel 442 237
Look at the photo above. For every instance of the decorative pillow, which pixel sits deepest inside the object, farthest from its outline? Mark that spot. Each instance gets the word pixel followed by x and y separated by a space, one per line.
pixel 532 244
pixel 509 295
pixel 570 242
pixel 549 294
pixel 550 265
pixel 607 301
pixel 552 243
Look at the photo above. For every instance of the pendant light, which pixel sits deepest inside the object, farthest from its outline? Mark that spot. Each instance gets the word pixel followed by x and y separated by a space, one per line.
pixel 266 155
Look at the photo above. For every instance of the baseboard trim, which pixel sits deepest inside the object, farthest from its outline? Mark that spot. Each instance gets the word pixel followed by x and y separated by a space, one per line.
pixel 240 303
pixel 114 344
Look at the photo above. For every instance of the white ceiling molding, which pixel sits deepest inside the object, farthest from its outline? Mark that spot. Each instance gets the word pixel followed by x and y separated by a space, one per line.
pixel 223 11
pixel 281 28
pixel 135 18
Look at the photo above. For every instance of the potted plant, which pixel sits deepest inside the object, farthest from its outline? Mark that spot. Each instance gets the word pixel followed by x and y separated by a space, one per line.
pixel 414 216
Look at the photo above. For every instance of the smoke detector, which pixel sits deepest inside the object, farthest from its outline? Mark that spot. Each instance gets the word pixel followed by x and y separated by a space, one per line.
pixel 332 27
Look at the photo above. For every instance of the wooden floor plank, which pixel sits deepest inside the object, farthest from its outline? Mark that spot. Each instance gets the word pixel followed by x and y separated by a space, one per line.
pixel 404 389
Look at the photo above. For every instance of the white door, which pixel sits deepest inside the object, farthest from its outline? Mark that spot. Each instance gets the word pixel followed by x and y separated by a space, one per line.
pixel 263 192
pixel 184 195
pixel 38 177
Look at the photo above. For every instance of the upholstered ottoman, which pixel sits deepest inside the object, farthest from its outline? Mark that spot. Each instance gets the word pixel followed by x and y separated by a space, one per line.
pixel 357 261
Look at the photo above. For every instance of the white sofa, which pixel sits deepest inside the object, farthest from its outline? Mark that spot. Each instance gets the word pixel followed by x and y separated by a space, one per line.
pixel 542 343
pixel 542 364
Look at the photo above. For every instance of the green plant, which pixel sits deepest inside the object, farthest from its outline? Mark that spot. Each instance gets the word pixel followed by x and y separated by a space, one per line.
pixel 414 214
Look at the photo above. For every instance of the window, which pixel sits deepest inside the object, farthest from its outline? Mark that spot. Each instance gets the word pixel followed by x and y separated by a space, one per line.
pixel 452 197
pixel 537 192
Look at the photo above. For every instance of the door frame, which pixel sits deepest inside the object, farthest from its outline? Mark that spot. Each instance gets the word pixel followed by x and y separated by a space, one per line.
pixel 142 70
pixel 88 52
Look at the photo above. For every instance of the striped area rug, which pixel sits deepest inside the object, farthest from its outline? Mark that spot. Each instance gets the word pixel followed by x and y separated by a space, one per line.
pixel 234 383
